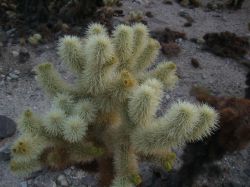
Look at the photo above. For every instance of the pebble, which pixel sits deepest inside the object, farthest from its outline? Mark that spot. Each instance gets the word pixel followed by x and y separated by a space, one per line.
pixel 1 83
pixel 168 2
pixel 5 151
pixel 62 180
pixel 24 56
pixel 7 127
pixel 247 172
pixel 182 13
pixel 80 174
pixel 204 76
pixel 15 53
pixel 11 31
pixel 54 184
pixel 67 171
pixel 167 96
pixel 24 184
pixel 195 63
pixel 13 76
pixel 17 72
pixel 149 14
pixel 3 37
pixel 8 78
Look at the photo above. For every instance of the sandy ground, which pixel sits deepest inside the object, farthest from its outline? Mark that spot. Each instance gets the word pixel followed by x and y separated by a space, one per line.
pixel 222 75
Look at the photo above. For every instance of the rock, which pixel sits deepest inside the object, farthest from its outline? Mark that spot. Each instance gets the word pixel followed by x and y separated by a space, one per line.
pixel 188 24
pixel 54 184
pixel 204 76
pixel 170 49
pixel 5 151
pixel 24 184
pixel 247 172
pixel 168 2
pixel 89 180
pixel 68 171
pixel 17 72
pixel 3 37
pixel 80 174
pixel 23 56
pixel 167 96
pixel 7 127
pixel 1 83
pixel 11 31
pixel 195 63
pixel 149 14
pixel 227 44
pixel 62 180
pixel 200 41
pixel 182 13
pixel 186 16
pixel 15 53
pixel 13 76
pixel 231 184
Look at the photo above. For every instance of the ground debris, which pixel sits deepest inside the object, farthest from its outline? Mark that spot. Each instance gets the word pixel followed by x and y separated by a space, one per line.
pixel 226 44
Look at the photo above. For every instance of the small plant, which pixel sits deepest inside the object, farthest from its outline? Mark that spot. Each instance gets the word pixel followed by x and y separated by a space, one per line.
pixel 135 16
pixel 110 2
pixel 108 114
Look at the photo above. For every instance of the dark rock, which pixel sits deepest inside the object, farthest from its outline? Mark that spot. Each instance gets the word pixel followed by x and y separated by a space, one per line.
pixel 7 127
pixel 119 3
pixel 168 35
pixel 186 16
pixel 118 13
pixel 231 184
pixel 149 14
pixel 247 172
pixel 170 49
pixel 235 4
pixel 89 180
pixel 188 24
pixel 168 2
pixel 3 37
pixel 227 44
pixel 23 56
pixel 11 31
pixel 195 63
pixel 5 152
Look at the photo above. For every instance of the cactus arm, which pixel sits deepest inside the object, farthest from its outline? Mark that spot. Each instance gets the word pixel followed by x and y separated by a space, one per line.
pixel 147 57
pixel 70 51
pixel 30 123
pixel 50 79
pixel 144 102
pixel 123 43
pixel 140 38
pixel 100 64
pixel 176 127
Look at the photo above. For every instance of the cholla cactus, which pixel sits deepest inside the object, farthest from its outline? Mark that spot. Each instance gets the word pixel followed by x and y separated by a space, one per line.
pixel 109 112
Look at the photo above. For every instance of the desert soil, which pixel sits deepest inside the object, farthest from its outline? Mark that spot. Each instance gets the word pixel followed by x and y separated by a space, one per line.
pixel 223 76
